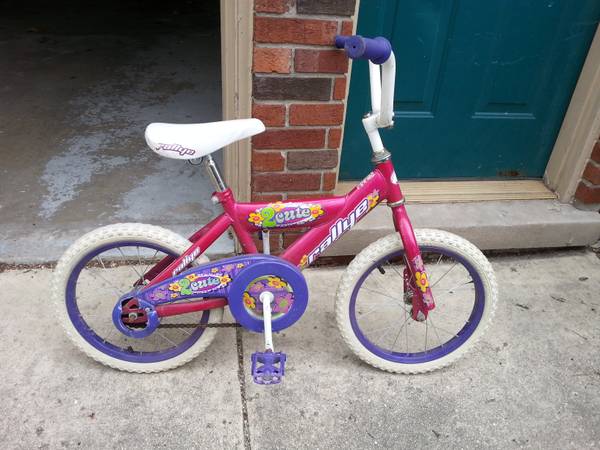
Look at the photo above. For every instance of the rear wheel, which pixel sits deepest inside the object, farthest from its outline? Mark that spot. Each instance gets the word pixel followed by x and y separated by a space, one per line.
pixel 101 267
pixel 373 307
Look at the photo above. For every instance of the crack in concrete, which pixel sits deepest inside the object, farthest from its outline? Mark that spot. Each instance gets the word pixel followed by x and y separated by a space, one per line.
pixel 242 380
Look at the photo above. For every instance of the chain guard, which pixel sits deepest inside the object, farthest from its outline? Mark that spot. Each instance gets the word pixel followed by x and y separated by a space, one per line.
pixel 229 278
pixel 276 275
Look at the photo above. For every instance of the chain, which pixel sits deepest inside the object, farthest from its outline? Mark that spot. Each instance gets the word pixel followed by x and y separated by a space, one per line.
pixel 199 325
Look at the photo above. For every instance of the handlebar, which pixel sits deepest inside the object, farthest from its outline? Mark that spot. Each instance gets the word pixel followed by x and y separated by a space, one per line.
pixel 382 76
pixel 377 50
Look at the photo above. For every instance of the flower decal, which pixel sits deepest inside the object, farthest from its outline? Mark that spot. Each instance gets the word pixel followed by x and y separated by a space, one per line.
pixel 214 269
pixel 158 294
pixel 173 295
pixel 303 261
pixel 174 287
pixel 239 265
pixel 256 219
pixel 276 282
pixel 249 301
pixel 225 279
pixel 192 277
pixel 373 199
pixel 283 303
pixel 277 206
pixel 228 267
pixel 316 211
pixel 422 281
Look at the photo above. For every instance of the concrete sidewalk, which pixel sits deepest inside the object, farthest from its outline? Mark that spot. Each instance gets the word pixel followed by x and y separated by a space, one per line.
pixel 533 382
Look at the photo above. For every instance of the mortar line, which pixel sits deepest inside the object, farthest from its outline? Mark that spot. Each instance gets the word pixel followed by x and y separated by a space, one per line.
pixel 242 381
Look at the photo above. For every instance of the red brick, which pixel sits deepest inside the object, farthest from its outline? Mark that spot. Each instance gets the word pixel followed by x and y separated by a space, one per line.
pixel 272 60
pixel 316 114
pixel 290 139
pixel 294 31
pixel 267 161
pixel 266 198
pixel 334 137
pixel 323 61
pixel 284 182
pixel 329 181
pixel 347 27
pixel 289 88
pixel 592 173
pixel 272 6
pixel 271 115
pixel 339 88
pixel 587 194
pixel 312 159
pixel 596 152
pixel 334 7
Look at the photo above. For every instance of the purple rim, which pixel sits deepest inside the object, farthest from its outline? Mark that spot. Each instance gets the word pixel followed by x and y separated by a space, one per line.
pixel 437 352
pixel 105 347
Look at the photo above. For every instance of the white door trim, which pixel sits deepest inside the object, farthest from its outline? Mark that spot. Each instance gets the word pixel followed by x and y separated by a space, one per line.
pixel 236 78
pixel 579 131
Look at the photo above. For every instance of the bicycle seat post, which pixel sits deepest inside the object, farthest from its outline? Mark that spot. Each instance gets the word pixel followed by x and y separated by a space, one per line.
pixel 215 175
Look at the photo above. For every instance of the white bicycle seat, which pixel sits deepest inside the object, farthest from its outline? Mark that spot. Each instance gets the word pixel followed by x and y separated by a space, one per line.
pixel 195 140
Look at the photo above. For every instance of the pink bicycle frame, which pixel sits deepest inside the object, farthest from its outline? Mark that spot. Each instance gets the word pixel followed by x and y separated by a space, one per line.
pixel 333 217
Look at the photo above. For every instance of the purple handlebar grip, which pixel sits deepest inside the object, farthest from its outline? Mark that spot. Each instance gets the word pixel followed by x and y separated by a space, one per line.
pixel 378 49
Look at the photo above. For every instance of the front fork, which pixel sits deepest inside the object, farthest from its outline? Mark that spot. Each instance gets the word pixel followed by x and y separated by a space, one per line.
pixel 416 282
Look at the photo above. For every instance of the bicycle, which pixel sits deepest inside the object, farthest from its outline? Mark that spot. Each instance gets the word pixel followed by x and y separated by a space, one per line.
pixel 385 305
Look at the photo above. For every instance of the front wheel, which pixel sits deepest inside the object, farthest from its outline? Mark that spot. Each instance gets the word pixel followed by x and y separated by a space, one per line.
pixel 373 309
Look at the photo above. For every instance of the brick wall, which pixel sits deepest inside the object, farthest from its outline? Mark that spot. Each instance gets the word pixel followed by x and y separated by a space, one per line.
pixel 299 92
pixel 588 191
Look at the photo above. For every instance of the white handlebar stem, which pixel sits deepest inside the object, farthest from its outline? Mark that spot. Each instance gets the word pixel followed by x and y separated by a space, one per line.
pixel 386 116
pixel 382 80
pixel 375 81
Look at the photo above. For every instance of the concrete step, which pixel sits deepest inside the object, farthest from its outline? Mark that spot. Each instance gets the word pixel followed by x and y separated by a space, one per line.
pixel 516 224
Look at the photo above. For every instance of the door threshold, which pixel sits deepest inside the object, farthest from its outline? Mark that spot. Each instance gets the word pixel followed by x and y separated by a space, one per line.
pixel 466 191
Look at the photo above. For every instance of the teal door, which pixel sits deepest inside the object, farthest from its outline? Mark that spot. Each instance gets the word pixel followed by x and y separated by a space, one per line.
pixel 481 87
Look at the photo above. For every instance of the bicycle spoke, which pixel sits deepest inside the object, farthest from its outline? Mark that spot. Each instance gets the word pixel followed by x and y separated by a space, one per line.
pixel 140 263
pixel 150 263
pixel 383 294
pixel 406 329
pixel 452 290
pixel 380 329
pixel 436 333
pixel 442 277
pixel 131 266
pixel 445 331
pixel 165 338
pixel 96 275
pixel 399 332
pixel 376 308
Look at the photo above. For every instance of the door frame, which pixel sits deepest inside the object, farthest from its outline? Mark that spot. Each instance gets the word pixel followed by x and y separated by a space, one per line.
pixel 579 131
pixel 236 81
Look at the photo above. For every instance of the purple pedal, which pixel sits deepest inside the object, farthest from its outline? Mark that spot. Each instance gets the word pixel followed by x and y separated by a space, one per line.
pixel 268 367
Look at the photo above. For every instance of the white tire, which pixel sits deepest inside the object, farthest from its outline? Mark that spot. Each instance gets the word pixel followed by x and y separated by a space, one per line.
pixel 388 245
pixel 111 234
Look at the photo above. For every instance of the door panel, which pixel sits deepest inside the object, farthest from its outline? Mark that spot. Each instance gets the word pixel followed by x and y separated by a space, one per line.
pixel 481 87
